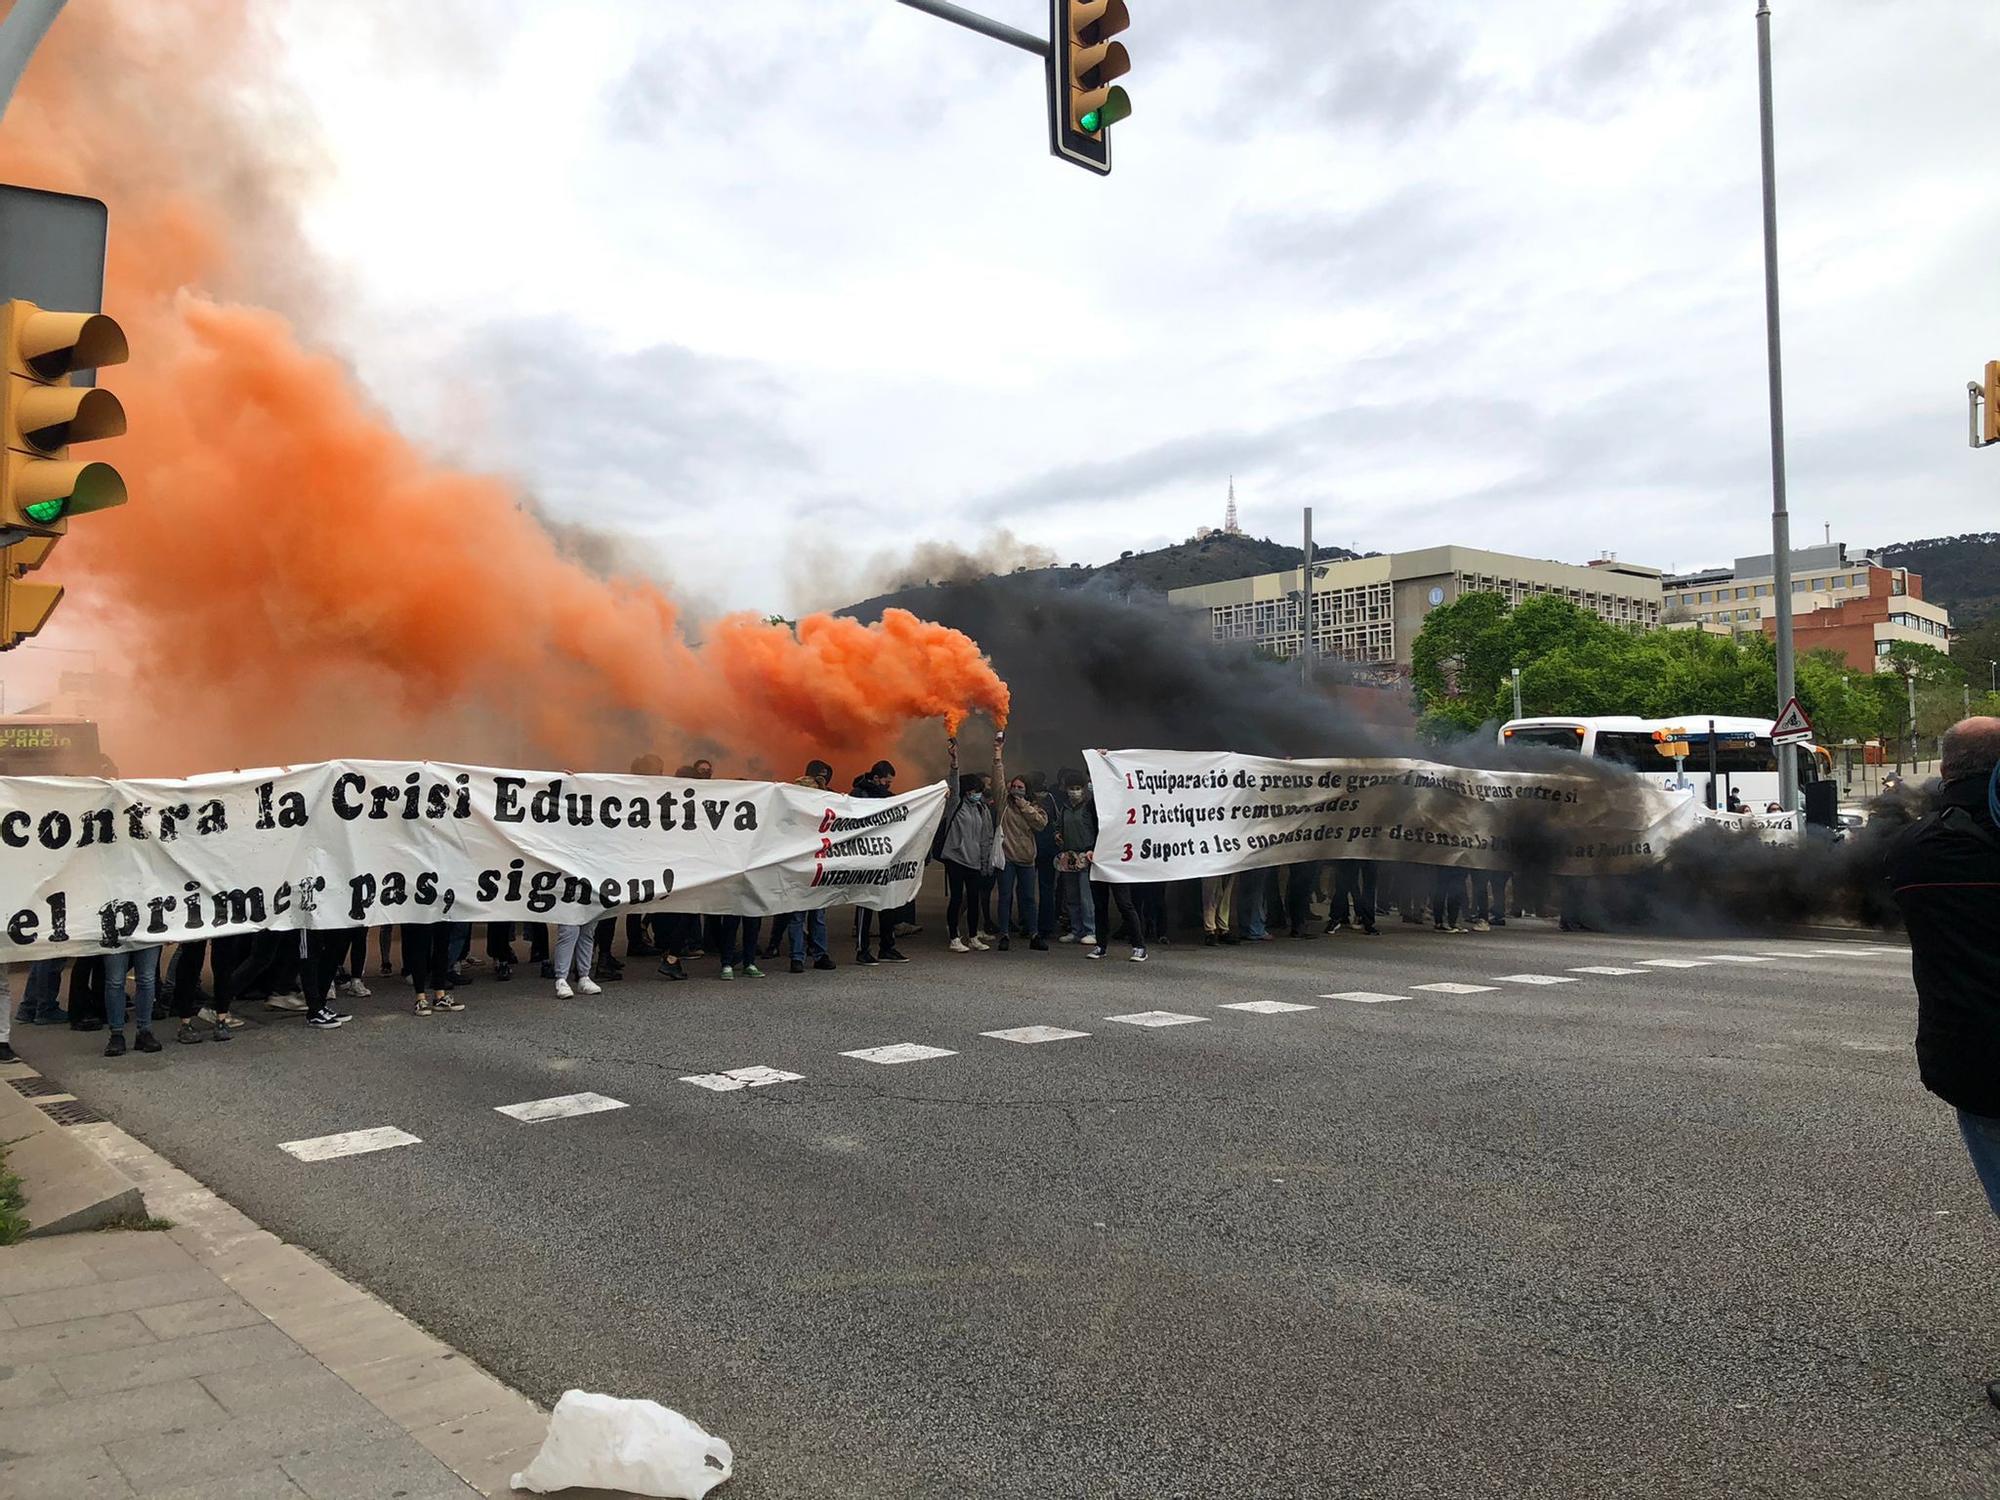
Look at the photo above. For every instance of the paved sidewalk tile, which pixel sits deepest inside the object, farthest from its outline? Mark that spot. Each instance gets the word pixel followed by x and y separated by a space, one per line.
pixel 372 1470
pixel 42 1266
pixel 108 1297
pixel 202 1354
pixel 29 1346
pixel 125 1254
pixel 27 1385
pixel 203 1315
pixel 269 1483
pixel 70 1475
pixel 64 1423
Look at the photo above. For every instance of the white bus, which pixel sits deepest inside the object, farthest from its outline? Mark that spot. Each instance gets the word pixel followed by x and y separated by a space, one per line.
pixel 1744 762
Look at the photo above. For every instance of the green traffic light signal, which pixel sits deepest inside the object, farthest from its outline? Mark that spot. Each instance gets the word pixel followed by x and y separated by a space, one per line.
pixel 1117 106
pixel 45 511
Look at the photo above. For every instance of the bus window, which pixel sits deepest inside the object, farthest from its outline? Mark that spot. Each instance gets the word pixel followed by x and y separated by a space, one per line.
pixel 1641 752
pixel 1547 737
pixel 37 746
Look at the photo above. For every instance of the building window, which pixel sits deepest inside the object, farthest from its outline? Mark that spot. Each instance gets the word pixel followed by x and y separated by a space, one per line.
pixel 1819 585
pixel 1798 585
pixel 1743 593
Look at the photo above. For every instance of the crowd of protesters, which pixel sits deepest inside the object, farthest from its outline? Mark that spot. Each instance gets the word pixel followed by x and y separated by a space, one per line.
pixel 1016 852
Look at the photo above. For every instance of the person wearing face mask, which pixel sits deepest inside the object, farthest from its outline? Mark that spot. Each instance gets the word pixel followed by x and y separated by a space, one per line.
pixel 1022 821
pixel 966 847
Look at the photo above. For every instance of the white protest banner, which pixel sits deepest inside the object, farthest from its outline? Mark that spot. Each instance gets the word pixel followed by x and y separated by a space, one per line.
pixel 1169 814
pixel 1768 827
pixel 90 865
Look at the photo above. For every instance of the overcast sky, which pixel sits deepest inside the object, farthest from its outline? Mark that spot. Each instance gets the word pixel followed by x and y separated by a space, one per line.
pixel 791 280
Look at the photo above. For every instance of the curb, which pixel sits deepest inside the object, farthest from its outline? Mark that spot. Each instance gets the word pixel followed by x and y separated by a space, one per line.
pixel 68 1186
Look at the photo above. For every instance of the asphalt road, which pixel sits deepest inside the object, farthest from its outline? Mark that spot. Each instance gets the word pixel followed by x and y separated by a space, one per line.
pixel 1691 1231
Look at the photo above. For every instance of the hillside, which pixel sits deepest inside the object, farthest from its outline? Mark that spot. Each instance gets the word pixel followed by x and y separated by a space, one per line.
pixel 1208 559
pixel 1960 572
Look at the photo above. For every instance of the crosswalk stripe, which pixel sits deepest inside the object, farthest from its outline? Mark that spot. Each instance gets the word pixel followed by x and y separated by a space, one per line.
pixel 1456 989
pixel 1364 997
pixel 349 1143
pixel 1534 979
pixel 899 1052
pixel 561 1107
pixel 1605 969
pixel 1674 963
pixel 1734 958
pixel 1267 1007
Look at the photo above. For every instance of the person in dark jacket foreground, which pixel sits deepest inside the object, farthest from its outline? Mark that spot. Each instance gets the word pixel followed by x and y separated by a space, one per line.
pixel 1945 871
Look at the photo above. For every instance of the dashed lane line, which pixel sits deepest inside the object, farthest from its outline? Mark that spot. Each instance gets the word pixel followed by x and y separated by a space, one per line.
pixel 1605 969
pixel 1675 963
pixel 1156 1018
pixel 1534 979
pixel 899 1052
pixel 349 1143
pixel 561 1107
pixel 1364 997
pixel 1734 958
pixel 1456 989
pixel 1267 1007
pixel 1032 1034
pixel 756 1077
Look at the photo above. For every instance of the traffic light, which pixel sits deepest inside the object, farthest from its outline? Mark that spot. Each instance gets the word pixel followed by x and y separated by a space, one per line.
pixel 1992 424
pixel 42 414
pixel 25 607
pixel 1083 61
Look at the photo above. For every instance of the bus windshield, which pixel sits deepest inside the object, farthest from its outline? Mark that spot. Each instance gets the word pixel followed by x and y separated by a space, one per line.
pixel 38 746
pixel 1547 737
pixel 1734 754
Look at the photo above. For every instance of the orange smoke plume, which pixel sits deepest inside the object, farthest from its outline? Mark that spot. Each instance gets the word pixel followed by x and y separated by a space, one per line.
pixel 293 579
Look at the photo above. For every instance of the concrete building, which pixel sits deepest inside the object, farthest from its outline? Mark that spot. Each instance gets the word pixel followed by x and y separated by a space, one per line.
pixel 1850 605
pixel 1370 609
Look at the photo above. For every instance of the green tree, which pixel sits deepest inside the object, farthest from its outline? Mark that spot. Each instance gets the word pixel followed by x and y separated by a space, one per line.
pixel 1458 657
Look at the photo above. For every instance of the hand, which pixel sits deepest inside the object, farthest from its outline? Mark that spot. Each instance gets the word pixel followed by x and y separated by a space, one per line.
pixel 1090 856
pixel 999 736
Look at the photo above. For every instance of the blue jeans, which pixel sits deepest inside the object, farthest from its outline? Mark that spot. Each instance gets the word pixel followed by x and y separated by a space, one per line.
pixel 1017 885
pixel 739 941
pixel 1253 889
pixel 1982 1144
pixel 1045 896
pixel 807 928
pixel 41 998
pixel 145 966
pixel 1082 906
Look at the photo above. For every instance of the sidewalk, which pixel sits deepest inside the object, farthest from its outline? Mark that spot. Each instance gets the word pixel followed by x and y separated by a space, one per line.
pixel 211 1359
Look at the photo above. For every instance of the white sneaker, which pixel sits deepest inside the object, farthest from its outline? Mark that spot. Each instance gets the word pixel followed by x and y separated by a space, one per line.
pixel 1067 937
pixel 957 945
pixel 981 944
pixel 1089 940
pixel 1482 926
pixel 589 986
pixel 1138 955
pixel 354 989
pixel 563 991
pixel 286 1002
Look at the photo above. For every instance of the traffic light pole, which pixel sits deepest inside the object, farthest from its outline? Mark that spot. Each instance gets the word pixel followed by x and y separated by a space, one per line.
pixel 1000 31
pixel 1781 520
pixel 20 34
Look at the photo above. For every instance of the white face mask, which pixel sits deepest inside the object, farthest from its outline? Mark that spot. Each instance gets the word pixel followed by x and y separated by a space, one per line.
pixel 1076 794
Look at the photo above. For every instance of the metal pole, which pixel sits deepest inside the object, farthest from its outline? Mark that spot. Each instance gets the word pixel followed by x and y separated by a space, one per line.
pixel 20 34
pixel 1781 521
pixel 1000 31
pixel 1911 678
pixel 1712 768
pixel 1306 605
pixel 1517 692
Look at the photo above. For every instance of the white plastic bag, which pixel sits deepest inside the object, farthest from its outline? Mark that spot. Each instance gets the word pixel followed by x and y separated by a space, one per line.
pixel 603 1442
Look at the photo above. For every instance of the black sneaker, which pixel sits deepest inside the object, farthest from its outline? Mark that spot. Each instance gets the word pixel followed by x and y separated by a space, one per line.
pixel 548 969
pixel 453 979
pixel 671 969
pixel 221 1033
pixel 503 971
pixel 798 966
pixel 894 956
pixel 1038 944
pixel 325 1019
pixel 825 961
pixel 145 1041
pixel 1004 944
pixel 865 957
pixel 190 1033
pixel 114 1045
pixel 8 1054
pixel 330 1009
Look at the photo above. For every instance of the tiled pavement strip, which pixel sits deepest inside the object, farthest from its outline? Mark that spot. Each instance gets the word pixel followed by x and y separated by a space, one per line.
pixel 212 1359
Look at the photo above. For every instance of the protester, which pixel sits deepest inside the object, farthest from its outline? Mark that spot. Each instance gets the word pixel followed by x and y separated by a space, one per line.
pixel 1103 894
pixel 965 845
pixel 1076 841
pixel 1448 899
pixel 1944 870
pixel 1218 900
pixel 879 780
pixel 41 999
pixel 427 955
pixel 1353 896
pixel 1301 879
pixel 1253 900
pixel 804 932
pixel 573 945
pixel 739 947
pixel 7 1054
pixel 1047 847
pixel 144 965
pixel 1022 822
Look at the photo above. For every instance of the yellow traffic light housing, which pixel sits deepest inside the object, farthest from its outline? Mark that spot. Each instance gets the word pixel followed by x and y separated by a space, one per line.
pixel 41 414
pixel 25 607
pixel 1992 433
pixel 1083 61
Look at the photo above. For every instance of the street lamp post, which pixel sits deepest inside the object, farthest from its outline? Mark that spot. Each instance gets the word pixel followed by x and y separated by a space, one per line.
pixel 1781 521
pixel 1517 692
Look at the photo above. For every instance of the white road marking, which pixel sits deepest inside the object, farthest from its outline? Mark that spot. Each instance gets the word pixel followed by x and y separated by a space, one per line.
pixel 1364 997
pixel 562 1107
pixel 1267 1007
pixel 899 1052
pixel 349 1143
pixel 1034 1034
pixel 1156 1018
pixel 1455 989
pixel 1675 963
pixel 1854 950
pixel 741 1078
pixel 1876 1046
pixel 1534 979
pixel 1605 969
pixel 1733 958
